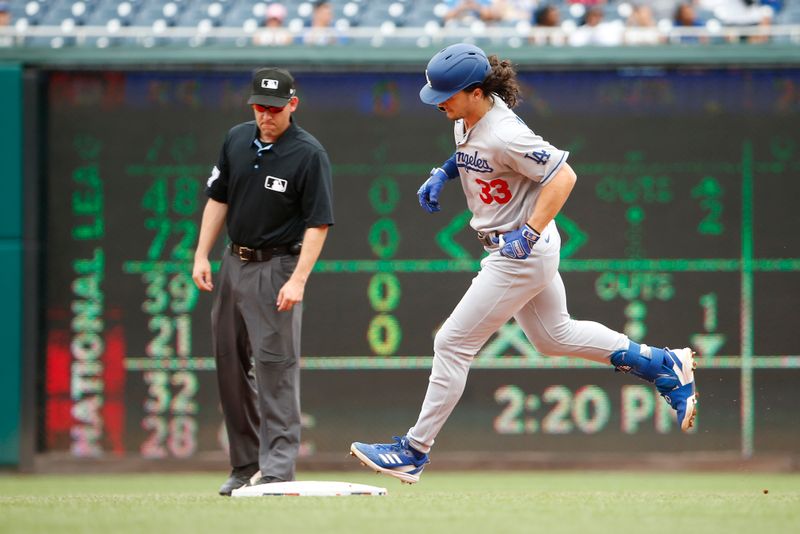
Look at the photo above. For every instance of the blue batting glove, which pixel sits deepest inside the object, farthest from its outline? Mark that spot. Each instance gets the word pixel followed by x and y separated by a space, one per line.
pixel 428 193
pixel 517 244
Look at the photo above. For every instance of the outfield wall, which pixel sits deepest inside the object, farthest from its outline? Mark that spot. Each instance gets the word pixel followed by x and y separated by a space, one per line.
pixel 671 236
pixel 11 276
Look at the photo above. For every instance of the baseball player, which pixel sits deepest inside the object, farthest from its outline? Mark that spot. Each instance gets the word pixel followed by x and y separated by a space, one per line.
pixel 515 183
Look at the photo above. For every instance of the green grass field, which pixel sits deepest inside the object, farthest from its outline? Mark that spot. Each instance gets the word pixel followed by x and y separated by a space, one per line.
pixel 493 502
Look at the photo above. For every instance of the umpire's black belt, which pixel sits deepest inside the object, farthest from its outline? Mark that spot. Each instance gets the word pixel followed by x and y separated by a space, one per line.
pixel 262 254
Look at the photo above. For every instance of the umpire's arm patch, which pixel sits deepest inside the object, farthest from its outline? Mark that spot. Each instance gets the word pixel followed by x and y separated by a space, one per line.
pixel 275 184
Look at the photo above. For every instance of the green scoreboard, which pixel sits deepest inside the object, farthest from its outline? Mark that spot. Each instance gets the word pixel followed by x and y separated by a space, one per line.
pixel 683 229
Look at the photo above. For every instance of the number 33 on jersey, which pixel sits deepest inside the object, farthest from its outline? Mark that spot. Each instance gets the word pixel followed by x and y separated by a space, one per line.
pixel 494 191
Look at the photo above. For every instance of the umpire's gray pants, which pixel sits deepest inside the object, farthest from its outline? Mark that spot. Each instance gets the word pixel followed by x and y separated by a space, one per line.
pixel 257 352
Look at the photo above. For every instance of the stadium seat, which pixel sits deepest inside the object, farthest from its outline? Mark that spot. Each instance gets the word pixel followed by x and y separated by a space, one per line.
pixel 420 16
pixel 103 13
pixel 192 15
pixel 146 17
pixel 54 13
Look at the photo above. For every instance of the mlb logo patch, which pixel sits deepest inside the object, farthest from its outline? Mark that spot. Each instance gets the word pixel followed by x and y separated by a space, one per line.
pixel 269 84
pixel 276 184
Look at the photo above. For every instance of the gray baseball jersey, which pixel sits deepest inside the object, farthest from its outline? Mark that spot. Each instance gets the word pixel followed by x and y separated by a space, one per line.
pixel 503 166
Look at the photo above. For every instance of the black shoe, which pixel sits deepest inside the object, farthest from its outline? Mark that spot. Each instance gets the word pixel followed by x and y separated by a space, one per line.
pixel 269 479
pixel 240 476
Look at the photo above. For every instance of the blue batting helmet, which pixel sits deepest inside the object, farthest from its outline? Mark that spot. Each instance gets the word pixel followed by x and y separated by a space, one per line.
pixel 453 69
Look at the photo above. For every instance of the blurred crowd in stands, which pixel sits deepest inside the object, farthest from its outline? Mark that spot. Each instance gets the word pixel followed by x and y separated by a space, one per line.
pixel 328 22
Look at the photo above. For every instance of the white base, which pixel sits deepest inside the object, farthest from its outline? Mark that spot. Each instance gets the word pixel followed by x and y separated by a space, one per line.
pixel 308 488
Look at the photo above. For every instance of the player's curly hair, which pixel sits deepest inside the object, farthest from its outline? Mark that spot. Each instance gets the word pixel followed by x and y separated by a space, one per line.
pixel 503 81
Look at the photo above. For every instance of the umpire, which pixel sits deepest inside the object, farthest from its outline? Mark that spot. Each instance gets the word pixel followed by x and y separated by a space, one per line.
pixel 272 188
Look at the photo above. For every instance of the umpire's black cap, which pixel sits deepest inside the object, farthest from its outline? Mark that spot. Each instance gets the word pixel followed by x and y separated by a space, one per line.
pixel 272 87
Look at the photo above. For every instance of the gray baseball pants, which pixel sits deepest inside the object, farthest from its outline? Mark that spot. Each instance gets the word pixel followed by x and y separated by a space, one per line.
pixel 257 352
pixel 532 292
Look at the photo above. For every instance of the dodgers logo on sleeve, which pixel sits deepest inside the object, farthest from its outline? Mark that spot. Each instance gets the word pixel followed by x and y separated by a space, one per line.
pixel 539 156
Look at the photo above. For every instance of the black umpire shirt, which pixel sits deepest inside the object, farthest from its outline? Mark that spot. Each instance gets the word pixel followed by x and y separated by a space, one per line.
pixel 273 191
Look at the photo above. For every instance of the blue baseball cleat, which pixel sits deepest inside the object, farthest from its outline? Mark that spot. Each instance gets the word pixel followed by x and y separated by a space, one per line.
pixel 672 372
pixel 678 390
pixel 396 459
